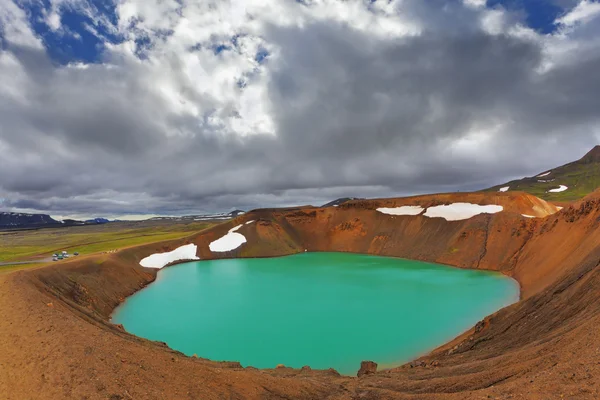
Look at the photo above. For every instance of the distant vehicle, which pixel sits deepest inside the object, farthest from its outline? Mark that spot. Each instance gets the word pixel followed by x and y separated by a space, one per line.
pixel 65 256
pixel 54 258
pixel 60 257
pixel 76 254
pixel 64 252
pixel 54 255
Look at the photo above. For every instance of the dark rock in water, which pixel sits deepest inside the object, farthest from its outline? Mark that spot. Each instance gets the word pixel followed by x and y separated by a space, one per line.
pixel 367 368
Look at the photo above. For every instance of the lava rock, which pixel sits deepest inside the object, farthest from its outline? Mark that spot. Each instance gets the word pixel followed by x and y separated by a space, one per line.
pixel 367 368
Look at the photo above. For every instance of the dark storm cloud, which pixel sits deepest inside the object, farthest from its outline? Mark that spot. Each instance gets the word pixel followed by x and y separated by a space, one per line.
pixel 454 108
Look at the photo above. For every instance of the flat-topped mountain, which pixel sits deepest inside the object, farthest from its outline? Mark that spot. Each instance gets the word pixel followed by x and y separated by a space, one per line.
pixel 568 182
pixel 12 220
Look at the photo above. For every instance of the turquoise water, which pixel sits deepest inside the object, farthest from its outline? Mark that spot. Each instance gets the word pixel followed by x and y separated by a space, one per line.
pixel 318 309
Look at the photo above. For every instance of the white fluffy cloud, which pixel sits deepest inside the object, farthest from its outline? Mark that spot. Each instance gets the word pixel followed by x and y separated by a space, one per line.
pixel 205 105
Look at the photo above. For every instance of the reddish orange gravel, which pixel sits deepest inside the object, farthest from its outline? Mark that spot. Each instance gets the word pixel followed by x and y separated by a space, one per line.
pixel 56 341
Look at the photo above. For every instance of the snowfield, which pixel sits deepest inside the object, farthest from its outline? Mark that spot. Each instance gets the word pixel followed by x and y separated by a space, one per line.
pixel 404 210
pixel 159 260
pixel 544 174
pixel 231 241
pixel 562 188
pixel 460 211
pixel 504 189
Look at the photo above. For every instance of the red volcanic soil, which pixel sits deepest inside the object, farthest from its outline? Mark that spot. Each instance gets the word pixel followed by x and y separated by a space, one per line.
pixel 56 341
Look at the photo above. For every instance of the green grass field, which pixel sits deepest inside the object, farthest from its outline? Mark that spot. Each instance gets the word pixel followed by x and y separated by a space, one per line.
pixel 40 244
pixel 581 177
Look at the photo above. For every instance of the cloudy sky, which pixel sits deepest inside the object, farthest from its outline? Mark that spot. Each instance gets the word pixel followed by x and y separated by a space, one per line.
pixel 181 106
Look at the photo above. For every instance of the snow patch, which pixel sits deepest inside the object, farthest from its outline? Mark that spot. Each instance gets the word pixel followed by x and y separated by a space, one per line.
pixel 403 210
pixel 249 222
pixel 460 211
pixel 159 260
pixel 544 174
pixel 231 241
pixel 504 189
pixel 528 216
pixel 562 188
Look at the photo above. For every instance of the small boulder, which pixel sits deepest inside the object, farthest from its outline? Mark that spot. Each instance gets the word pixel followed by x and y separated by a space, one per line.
pixel 306 368
pixel 479 326
pixel 417 363
pixel 280 366
pixel 367 368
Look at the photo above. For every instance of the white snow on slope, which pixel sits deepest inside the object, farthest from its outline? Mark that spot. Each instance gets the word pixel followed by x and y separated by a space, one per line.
pixel 528 216
pixel 459 211
pixel 544 174
pixel 562 188
pixel 404 210
pixel 504 189
pixel 159 260
pixel 232 240
pixel 249 222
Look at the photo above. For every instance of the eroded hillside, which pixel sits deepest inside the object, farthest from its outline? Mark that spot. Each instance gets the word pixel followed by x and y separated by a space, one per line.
pixel 543 347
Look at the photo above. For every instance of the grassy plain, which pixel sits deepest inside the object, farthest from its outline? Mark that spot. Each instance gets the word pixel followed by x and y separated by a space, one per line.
pixel 38 245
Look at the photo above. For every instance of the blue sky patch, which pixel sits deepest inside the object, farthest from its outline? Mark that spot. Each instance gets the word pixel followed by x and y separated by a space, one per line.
pixel 537 14
pixel 80 38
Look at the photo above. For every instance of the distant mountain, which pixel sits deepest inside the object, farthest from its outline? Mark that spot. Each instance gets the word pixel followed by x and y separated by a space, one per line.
pixel 569 182
pixel 339 201
pixel 201 217
pixel 11 220
pixel 97 221
pixel 72 222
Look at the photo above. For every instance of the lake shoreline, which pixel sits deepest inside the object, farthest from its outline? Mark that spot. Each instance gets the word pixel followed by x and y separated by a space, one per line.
pixel 313 278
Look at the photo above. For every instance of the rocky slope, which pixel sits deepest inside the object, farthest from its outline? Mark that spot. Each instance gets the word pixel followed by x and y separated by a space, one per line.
pixel 56 341
pixel 580 178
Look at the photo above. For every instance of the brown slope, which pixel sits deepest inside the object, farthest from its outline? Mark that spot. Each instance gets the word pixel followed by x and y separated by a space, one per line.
pixel 542 347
